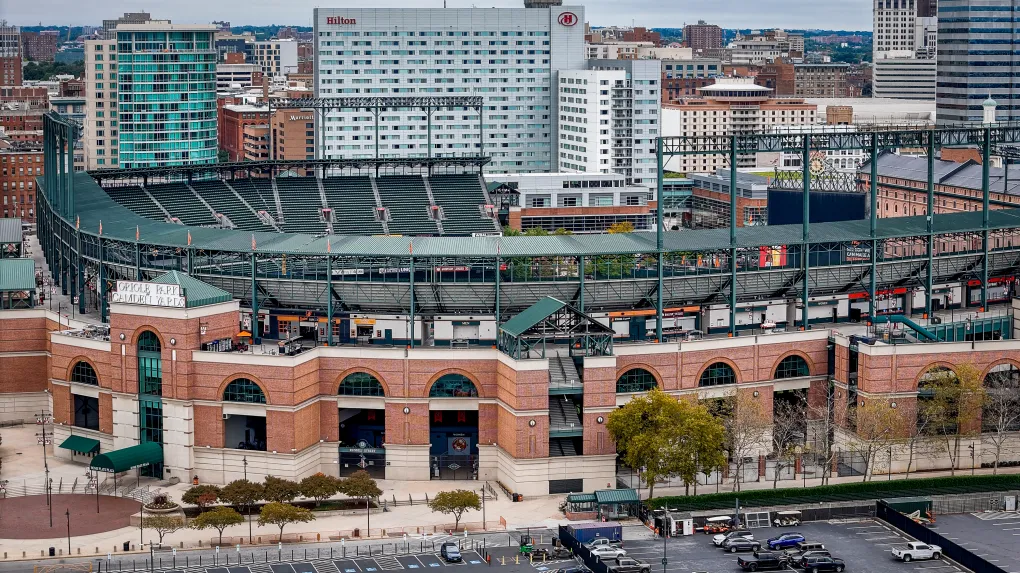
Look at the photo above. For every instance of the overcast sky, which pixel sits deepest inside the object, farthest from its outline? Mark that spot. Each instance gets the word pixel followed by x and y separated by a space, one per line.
pixel 797 14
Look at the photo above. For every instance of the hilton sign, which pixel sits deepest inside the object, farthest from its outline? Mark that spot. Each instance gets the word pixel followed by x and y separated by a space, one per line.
pixel 341 21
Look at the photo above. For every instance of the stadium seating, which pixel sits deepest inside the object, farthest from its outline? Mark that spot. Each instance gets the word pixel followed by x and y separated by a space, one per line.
pixel 302 205
pixel 134 198
pixel 180 202
pixel 408 201
pixel 221 198
pixel 353 204
pixel 460 196
pixel 258 193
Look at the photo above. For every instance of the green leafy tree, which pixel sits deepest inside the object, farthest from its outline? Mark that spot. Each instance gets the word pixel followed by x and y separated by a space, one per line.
pixel 319 487
pixel 621 227
pixel 201 495
pixel 243 494
pixel 280 490
pixel 360 485
pixel 455 503
pixel 282 514
pixel 163 524
pixel 218 518
pixel 952 402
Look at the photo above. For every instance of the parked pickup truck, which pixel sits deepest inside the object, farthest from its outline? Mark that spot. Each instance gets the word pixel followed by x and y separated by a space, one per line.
pixel 629 565
pixel 762 560
pixel 602 542
pixel 915 550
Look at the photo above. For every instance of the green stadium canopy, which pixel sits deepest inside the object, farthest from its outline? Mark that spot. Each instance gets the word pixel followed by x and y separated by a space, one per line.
pixel 17 274
pixel 550 319
pixel 127 458
pixel 196 292
pixel 81 444
pixel 532 316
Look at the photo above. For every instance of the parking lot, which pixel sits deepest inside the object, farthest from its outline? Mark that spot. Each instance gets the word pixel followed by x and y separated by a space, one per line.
pixel 864 545
pixel 992 535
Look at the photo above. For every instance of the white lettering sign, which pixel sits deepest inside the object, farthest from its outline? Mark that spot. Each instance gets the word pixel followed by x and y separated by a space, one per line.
pixel 150 294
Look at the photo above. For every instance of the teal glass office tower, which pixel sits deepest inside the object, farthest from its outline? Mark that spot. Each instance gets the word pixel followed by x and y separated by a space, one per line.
pixel 166 94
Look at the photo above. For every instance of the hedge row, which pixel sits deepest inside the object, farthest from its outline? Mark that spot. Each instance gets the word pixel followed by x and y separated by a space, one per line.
pixel 841 492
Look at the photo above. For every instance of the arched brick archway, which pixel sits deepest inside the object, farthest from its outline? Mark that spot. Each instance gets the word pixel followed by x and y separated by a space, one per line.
pixel 1000 362
pixel 810 363
pixel 382 382
pixel 237 375
pixel 727 361
pixel 435 378
pixel 137 333
pixel 929 367
pixel 74 361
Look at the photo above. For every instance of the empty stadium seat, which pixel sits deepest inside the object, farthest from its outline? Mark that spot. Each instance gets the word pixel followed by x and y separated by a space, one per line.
pixel 408 201
pixel 258 193
pixel 180 202
pixel 353 204
pixel 134 198
pixel 302 205
pixel 223 200
pixel 460 196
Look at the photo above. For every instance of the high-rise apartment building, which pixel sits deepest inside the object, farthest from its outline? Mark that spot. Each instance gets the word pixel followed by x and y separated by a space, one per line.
pixel 277 57
pixel 166 83
pixel 609 119
pixel 702 37
pixel 10 55
pixel 975 60
pixel 894 25
pixel 101 132
pixel 40 46
pixel 509 56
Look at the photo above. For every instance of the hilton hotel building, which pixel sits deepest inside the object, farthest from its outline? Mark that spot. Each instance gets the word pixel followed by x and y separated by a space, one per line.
pixel 510 56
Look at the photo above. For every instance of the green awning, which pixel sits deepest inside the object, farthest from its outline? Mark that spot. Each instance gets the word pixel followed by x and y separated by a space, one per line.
pixel 81 444
pixel 581 498
pixel 605 496
pixel 127 458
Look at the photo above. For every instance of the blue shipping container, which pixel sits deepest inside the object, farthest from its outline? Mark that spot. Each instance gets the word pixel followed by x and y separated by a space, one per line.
pixel 585 532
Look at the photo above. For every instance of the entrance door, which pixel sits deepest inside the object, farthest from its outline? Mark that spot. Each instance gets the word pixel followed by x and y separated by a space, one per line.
pixel 453 439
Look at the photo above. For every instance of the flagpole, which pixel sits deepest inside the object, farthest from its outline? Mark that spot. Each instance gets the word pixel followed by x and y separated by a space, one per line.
pixel 410 251
pixel 329 295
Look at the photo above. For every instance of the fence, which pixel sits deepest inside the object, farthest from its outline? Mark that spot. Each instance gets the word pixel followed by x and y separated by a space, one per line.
pixel 362 533
pixel 949 504
pixel 925 535
pixel 591 560
pixel 279 555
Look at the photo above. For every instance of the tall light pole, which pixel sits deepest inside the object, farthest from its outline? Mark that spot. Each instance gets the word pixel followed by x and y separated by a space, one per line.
pixel 68 514
pixel 483 508
pixel 244 460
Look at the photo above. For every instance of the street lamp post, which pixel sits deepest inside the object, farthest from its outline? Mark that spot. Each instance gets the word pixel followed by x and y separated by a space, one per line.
pixel 67 512
pixel 971 459
pixel 244 460
pixel 483 508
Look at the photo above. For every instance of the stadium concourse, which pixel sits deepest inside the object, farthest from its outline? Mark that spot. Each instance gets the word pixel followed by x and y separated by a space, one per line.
pixel 267 318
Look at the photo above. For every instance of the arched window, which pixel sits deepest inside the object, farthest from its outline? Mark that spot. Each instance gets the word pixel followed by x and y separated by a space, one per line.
pixel 718 374
pixel 150 365
pixel 83 373
pixel 635 380
pixel 792 366
pixel 998 413
pixel 244 390
pixel 936 417
pixel 453 386
pixel 360 384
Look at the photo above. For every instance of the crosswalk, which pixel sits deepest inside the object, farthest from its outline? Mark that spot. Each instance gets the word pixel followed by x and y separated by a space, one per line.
pixel 388 563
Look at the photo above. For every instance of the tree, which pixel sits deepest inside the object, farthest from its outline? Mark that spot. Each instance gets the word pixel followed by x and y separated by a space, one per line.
pixel 280 490
pixel 620 228
pixel 821 431
pixel 361 486
pixel 218 518
pixel 201 495
pixel 163 524
pixel 243 494
pixel 953 402
pixel 666 437
pixel 747 429
pixel 879 426
pixel 562 232
pixel 1001 415
pixel 788 432
pixel 455 503
pixel 319 487
pixel 281 514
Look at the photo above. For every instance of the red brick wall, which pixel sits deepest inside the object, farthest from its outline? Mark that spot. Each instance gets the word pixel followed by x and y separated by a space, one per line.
pixel 106 413
pixel 282 437
pixel 208 426
pixel 412 428
pixel 662 366
pixel 518 438
pixel 306 426
pixel 62 413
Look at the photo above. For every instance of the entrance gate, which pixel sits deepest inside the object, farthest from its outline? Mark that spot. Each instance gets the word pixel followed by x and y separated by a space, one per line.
pixel 454 466
pixel 372 460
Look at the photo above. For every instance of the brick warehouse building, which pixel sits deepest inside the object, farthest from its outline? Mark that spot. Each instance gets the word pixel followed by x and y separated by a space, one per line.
pixel 295 407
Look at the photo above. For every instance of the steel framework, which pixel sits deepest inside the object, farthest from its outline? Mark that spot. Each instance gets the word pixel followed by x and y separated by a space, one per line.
pixel 501 276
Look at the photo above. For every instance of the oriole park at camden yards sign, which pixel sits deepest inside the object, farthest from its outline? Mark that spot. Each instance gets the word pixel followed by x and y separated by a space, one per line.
pixel 150 294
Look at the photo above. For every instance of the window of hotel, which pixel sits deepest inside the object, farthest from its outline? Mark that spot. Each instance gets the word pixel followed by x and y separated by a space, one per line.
pixel 791 367
pixel 83 373
pixel 244 390
pixel 453 386
pixel 718 374
pixel 636 380
pixel 360 384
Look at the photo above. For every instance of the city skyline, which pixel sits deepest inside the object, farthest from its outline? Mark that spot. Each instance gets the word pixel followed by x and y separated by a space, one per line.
pixel 798 14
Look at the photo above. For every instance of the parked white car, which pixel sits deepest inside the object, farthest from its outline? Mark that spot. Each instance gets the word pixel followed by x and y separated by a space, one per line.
pixel 605 552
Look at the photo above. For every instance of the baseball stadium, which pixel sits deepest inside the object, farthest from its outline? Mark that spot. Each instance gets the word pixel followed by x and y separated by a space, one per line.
pixel 332 315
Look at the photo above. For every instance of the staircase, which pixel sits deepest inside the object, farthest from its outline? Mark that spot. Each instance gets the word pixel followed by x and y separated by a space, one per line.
pixel 563 415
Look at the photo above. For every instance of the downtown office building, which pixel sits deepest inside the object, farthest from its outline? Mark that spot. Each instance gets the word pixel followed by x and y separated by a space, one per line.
pixel 509 56
pixel 976 60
